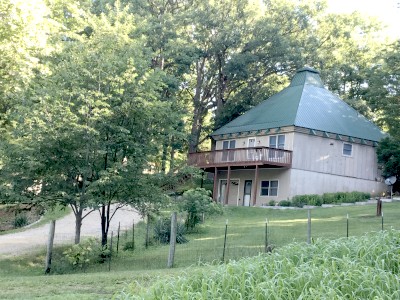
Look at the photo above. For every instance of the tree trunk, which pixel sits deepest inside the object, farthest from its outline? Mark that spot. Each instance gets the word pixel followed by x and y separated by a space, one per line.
pixel 78 225
pixel 172 157
pixel 50 246
pixel 197 125
pixel 147 231
pixel 104 229
pixel 164 157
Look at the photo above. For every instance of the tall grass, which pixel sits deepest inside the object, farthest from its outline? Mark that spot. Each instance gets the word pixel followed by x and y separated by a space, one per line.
pixel 366 267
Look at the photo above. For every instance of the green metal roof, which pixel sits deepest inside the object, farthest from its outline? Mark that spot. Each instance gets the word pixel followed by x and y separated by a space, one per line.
pixel 305 103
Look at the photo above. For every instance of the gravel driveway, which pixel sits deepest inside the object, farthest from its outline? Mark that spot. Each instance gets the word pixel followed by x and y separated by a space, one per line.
pixel 34 239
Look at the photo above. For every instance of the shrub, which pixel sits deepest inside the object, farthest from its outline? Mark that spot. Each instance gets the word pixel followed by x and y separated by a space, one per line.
pixel 328 198
pixel 272 203
pixel 88 251
pixel 197 202
pixel 162 231
pixel 20 220
pixel 285 203
pixel 129 246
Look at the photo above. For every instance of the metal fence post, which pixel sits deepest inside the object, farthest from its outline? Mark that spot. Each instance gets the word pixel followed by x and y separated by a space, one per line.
pixel 226 231
pixel 309 227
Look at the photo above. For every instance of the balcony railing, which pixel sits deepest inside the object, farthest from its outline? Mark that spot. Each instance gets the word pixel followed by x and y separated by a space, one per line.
pixel 241 157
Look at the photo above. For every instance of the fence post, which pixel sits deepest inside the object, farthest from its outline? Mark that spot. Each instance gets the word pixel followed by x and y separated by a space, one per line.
pixel 347 226
pixel 111 250
pixel 266 235
pixel 50 246
pixel 133 235
pixel 226 231
pixel 379 207
pixel 147 231
pixel 119 227
pixel 172 240
pixel 309 227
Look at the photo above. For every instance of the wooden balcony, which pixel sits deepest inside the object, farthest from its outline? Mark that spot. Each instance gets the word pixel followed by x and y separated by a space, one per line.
pixel 241 157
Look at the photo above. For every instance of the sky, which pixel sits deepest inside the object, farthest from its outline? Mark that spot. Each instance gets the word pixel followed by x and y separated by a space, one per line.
pixel 388 11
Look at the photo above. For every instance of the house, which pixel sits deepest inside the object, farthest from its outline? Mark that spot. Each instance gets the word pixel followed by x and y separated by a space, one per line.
pixel 302 140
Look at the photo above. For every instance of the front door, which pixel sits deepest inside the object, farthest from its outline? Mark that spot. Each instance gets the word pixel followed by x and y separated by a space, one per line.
pixel 233 196
pixel 251 152
pixel 247 192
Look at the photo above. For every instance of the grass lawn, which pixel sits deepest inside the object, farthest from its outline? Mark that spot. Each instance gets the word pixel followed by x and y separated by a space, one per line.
pixel 22 277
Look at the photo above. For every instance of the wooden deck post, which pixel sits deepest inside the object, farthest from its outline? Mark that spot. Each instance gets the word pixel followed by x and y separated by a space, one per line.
pixel 228 183
pixel 255 186
pixel 215 186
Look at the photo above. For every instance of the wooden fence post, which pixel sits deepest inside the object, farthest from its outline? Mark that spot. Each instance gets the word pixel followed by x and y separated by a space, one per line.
pixel 50 246
pixel 172 240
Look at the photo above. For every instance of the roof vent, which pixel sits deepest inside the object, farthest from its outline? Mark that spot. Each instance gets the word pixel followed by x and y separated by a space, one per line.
pixel 307 75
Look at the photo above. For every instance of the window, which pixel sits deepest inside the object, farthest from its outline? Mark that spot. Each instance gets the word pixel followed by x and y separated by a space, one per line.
pixel 347 149
pixel 228 155
pixel 269 188
pixel 277 142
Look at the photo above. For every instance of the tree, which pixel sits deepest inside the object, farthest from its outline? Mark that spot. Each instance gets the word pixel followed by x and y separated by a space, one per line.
pixel 388 153
pixel 383 88
pixel 89 134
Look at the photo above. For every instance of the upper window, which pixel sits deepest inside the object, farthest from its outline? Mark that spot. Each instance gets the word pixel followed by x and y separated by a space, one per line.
pixel 277 141
pixel 269 188
pixel 347 149
pixel 228 155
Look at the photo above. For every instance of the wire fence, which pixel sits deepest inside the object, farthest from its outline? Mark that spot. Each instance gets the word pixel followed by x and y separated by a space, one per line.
pixel 227 239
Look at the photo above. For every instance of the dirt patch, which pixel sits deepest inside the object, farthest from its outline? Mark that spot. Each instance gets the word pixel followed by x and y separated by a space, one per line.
pixel 14 216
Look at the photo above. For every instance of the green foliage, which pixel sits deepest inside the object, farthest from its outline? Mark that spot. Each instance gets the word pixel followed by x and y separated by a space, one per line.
pixel 340 197
pixel 383 90
pixel 87 252
pixel 272 203
pixel 285 203
pixel 388 153
pixel 365 268
pixel 195 203
pixel 20 220
pixel 129 246
pixel 329 198
pixel 301 200
pixel 162 231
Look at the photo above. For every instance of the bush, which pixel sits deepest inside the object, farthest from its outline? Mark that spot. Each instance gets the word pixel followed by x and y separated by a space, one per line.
pixel 329 198
pixel 20 220
pixel 301 200
pixel 162 231
pixel 197 202
pixel 88 251
pixel 129 246
pixel 285 203
pixel 272 203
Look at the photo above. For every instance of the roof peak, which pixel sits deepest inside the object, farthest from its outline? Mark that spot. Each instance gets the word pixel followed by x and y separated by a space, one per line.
pixel 307 75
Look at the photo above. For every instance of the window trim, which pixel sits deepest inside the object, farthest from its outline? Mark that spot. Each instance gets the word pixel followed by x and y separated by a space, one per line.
pixel 269 188
pixel 351 150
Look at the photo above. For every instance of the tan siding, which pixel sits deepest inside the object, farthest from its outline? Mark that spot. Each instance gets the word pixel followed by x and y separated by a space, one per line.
pixel 306 182
pixel 324 155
